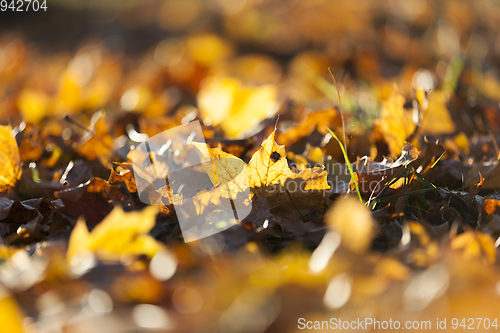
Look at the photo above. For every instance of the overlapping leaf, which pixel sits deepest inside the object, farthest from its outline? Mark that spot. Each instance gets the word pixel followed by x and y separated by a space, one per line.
pixel 268 175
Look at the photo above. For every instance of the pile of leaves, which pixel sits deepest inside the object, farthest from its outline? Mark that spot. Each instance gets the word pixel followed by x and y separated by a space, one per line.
pixel 380 201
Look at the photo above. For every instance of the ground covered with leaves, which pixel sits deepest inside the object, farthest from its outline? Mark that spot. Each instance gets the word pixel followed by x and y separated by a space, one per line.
pixel 373 191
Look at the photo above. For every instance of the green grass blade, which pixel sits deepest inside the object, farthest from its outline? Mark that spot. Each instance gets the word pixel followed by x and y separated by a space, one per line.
pixel 346 158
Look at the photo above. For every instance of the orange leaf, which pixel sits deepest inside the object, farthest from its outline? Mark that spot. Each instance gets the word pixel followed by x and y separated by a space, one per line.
pixel 10 171
pixel 395 123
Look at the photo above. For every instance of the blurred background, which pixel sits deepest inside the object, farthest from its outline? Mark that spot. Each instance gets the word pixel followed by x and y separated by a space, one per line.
pixel 153 57
pixel 234 65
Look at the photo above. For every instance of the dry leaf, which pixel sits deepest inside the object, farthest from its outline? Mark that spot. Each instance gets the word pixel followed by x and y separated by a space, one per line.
pixel 269 176
pixel 395 123
pixel 126 177
pixel 10 171
pixel 491 206
pixel 118 234
pixel 437 119
pixel 371 173
pixel 97 142
pixel 475 244
pixel 12 317
pixel 234 106
pixel 225 169
pixel 319 120
pixel 490 170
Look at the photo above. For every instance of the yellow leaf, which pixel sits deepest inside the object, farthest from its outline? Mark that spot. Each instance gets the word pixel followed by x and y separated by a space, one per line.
pixel 320 120
pixel 462 142
pixel 354 222
pixel 395 123
pixel 269 176
pixel 69 98
pixel 97 141
pixel 437 119
pixel 10 171
pixel 33 105
pixel 206 49
pixel 10 314
pixel 119 233
pixel 392 269
pixel 475 244
pixel 234 106
pixel 225 169
pixel 269 166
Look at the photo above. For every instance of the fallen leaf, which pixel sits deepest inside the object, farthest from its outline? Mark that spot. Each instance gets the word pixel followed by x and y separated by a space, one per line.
pixel 491 206
pixel 437 119
pixel 10 171
pixel 373 176
pixel 320 120
pixel 12 317
pixel 475 244
pixel 395 123
pixel 234 106
pixel 96 141
pixel 225 169
pixel 118 234
pixel 126 177
pixel 93 199
pixel 269 176
pixel 490 170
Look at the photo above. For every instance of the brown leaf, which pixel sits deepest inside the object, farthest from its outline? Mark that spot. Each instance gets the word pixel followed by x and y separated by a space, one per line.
pixel 126 177
pixel 93 199
pixel 371 173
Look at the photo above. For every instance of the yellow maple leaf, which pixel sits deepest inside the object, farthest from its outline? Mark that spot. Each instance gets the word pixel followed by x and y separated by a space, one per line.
pixel 234 106
pixel 10 171
pixel 395 123
pixel 118 234
pixel 267 174
pixel 226 169
pixel 269 166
